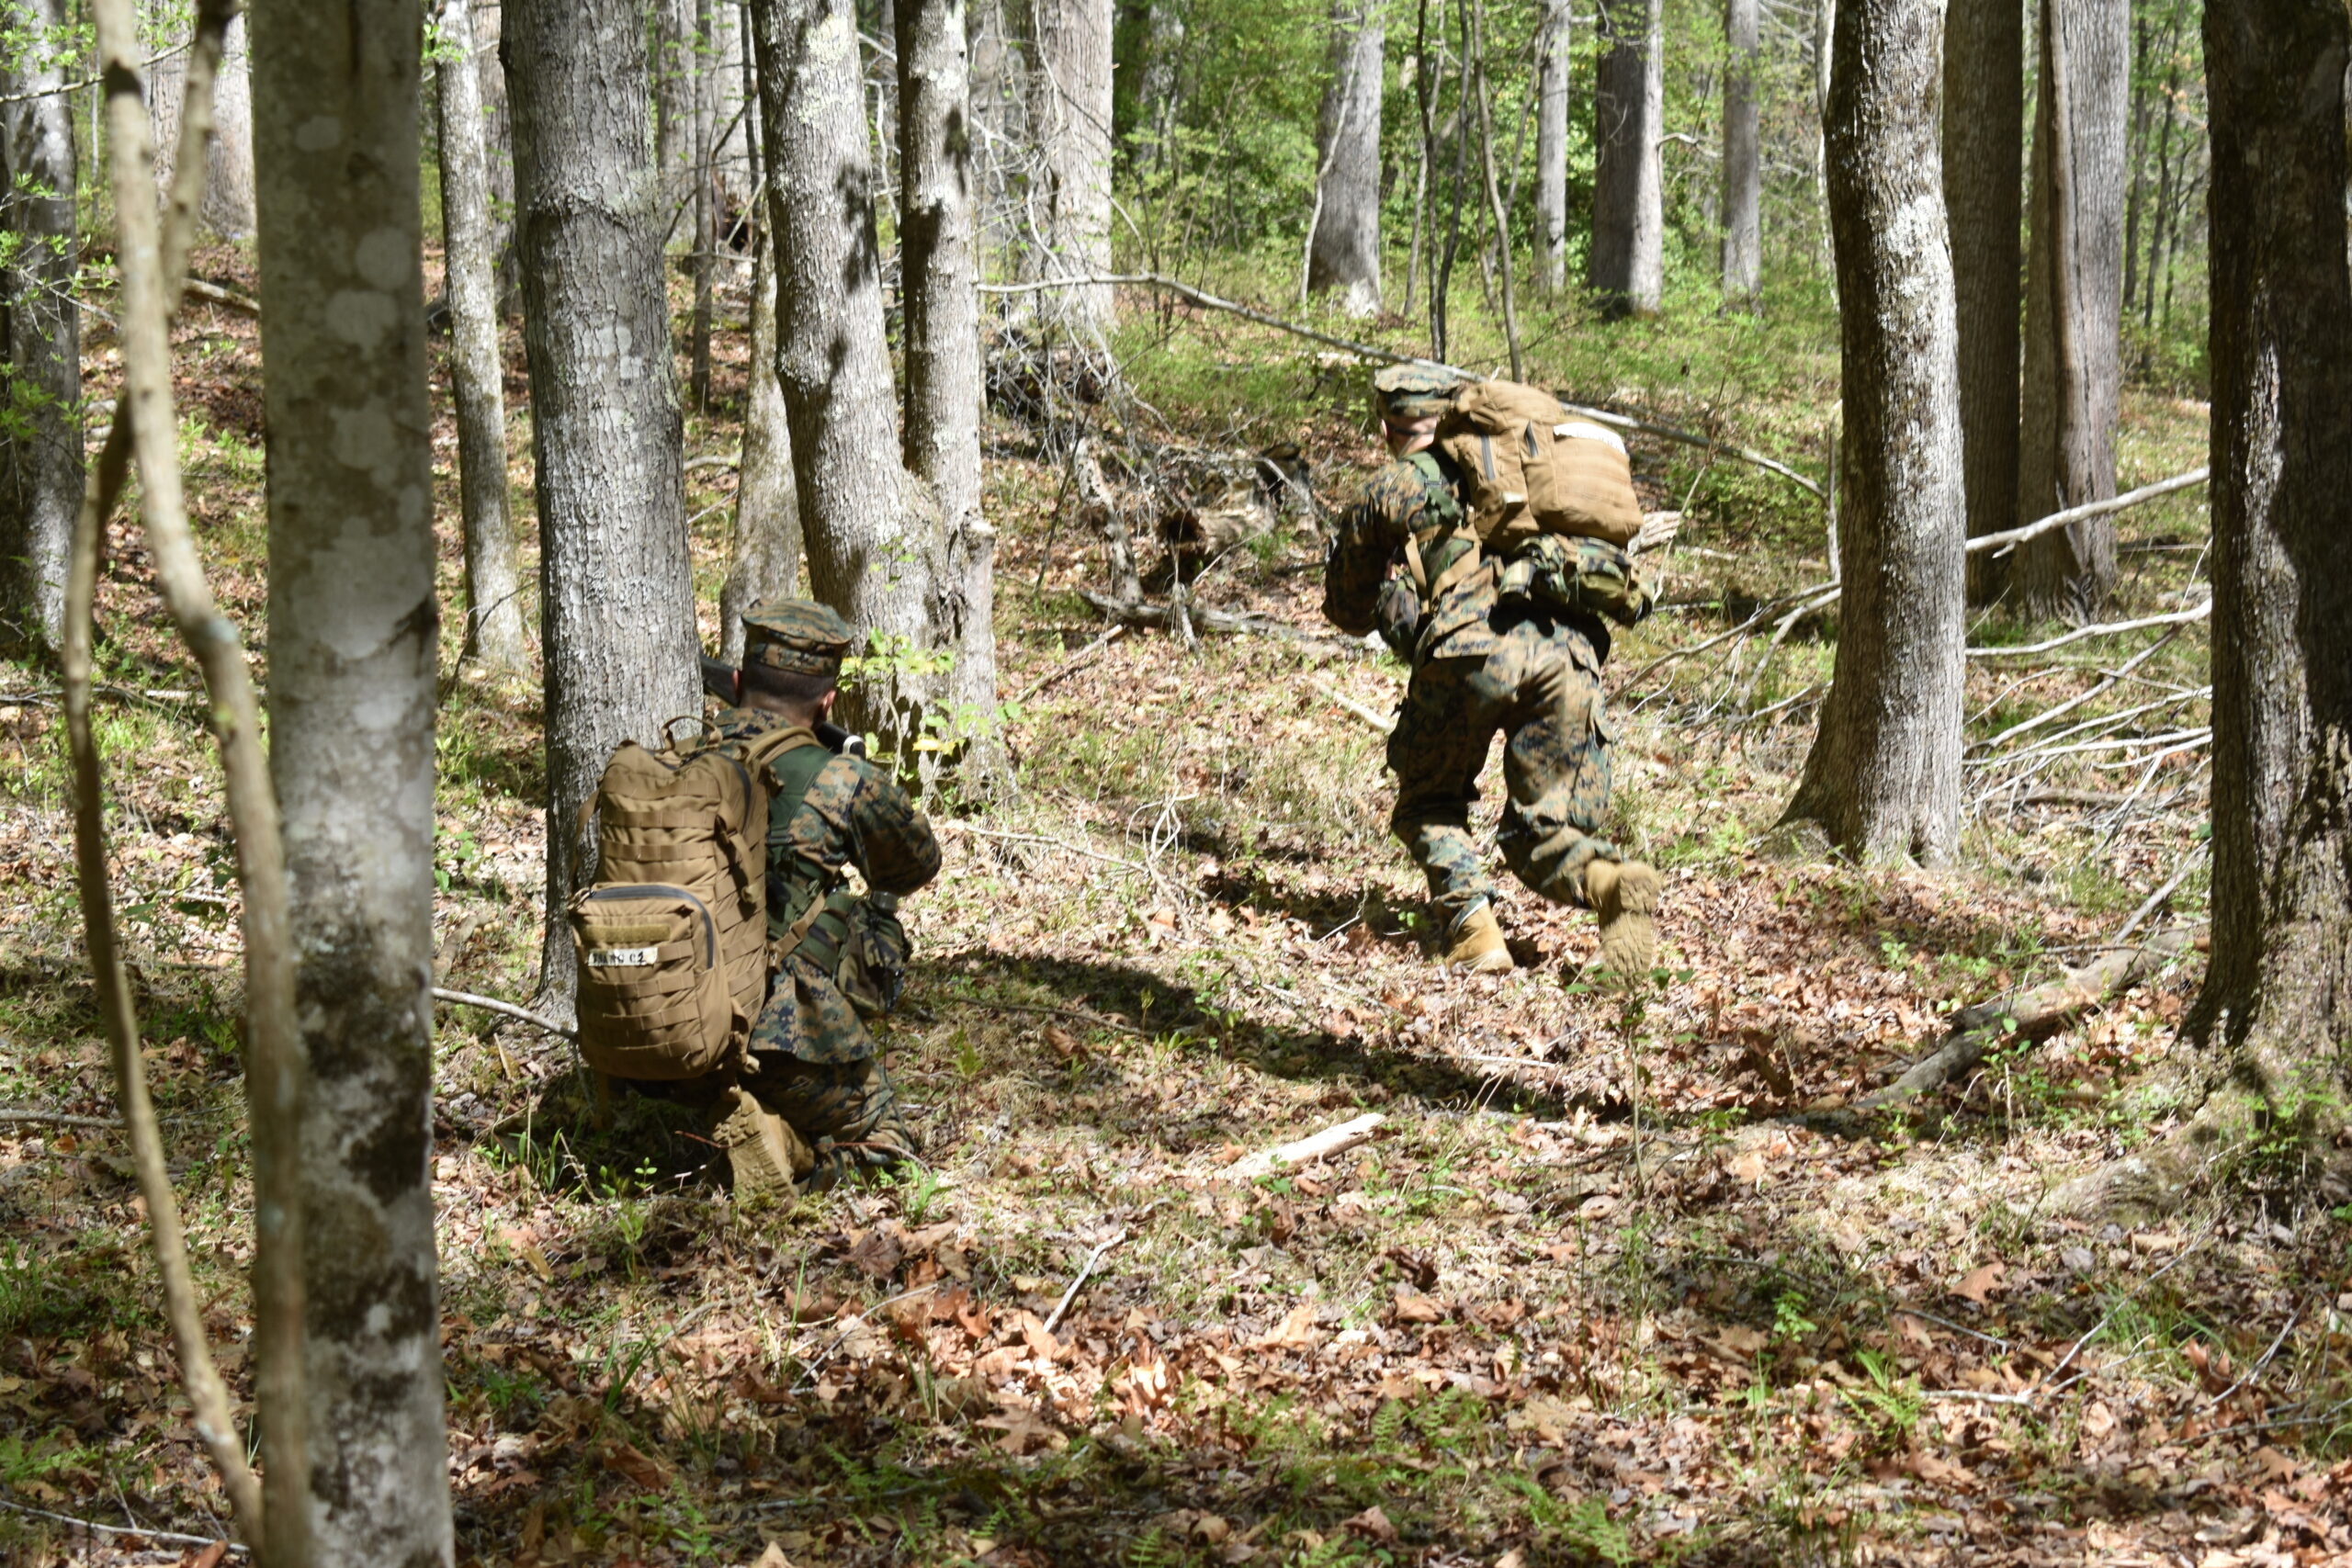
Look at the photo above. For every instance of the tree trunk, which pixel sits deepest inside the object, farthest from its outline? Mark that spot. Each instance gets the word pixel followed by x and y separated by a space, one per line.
pixel 41 452
pixel 2276 1002
pixel 672 68
pixel 1344 250
pixel 1983 129
pixel 2074 349
pixel 617 608
pixel 352 643
pixel 705 212
pixel 228 162
pixel 1156 95
pixel 873 534
pixel 941 279
pixel 2279 996
pixel 1743 162
pixel 498 149
pixel 477 375
pixel 765 561
pixel 1628 199
pixel 1884 776
pixel 1551 144
pixel 1070 115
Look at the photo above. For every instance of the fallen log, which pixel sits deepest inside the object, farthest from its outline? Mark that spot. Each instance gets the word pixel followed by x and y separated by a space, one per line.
pixel 1330 1141
pixel 2033 1014
pixel 1142 612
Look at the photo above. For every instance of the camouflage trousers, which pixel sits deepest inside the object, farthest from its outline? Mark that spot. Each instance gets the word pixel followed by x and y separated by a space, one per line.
pixel 849 1102
pixel 1541 688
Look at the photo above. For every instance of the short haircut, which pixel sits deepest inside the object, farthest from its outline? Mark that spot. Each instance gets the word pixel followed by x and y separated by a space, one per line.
pixel 786 686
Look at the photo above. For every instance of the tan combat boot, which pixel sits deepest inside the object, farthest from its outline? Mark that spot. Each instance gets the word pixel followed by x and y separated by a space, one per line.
pixel 1479 944
pixel 765 1156
pixel 1624 893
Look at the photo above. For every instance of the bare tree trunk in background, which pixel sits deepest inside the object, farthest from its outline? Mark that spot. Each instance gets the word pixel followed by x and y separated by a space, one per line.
pixel 2277 1003
pixel 1628 199
pixel 616 607
pixel 1344 250
pixel 40 451
pixel 940 286
pixel 1743 162
pixel 1156 95
pixel 1825 29
pixel 1884 776
pixel 765 562
pixel 228 163
pixel 1983 130
pixel 2074 311
pixel 227 208
pixel 706 64
pixel 498 149
pixel 873 534
pixel 494 632
pixel 1070 113
pixel 353 642
pixel 1552 145
pixel 733 175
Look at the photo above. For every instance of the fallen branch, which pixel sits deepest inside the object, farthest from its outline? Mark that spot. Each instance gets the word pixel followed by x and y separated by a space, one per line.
pixel 1251 313
pixel 1142 613
pixel 169 1538
pixel 1074 663
pixel 1330 1141
pixel 2172 885
pixel 1348 704
pixel 2109 629
pixel 227 299
pixel 2029 1015
pixel 492 1004
pixel 2009 537
pixel 56 1119
pixel 1061 844
pixel 1077 1014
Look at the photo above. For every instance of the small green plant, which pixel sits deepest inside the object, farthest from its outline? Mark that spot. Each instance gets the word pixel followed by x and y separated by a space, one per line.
pixel 1892 1403
pixel 1788 1321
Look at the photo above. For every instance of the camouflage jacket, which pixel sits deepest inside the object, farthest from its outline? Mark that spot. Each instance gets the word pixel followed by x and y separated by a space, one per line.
pixel 1416 499
pixel 852 815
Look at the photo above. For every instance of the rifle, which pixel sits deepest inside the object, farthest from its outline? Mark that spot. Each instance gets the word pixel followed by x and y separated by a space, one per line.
pixel 725 681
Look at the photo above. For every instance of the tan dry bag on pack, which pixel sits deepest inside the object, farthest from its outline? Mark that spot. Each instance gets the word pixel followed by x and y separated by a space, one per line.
pixel 673 935
pixel 1530 469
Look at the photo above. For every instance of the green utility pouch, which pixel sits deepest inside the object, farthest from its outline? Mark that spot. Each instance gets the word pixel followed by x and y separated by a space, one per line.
pixel 1584 576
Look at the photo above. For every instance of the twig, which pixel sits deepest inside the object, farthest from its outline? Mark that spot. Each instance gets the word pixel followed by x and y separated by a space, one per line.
pixel 492 1004
pixel 2186 1253
pixel 2223 1397
pixel 1955 1328
pixel 173 1538
pixel 1304 1151
pixel 227 299
pixel 2113 677
pixel 2111 629
pixel 1074 663
pixel 56 1119
pixel 1084 1272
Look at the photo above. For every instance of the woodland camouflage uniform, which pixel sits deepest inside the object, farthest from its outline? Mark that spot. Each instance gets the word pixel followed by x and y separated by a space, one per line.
pixel 816 1064
pixel 1486 656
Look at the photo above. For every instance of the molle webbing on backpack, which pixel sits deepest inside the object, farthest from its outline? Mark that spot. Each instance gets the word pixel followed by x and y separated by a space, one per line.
pixel 683 858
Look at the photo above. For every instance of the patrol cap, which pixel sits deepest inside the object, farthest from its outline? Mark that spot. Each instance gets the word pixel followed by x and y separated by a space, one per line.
pixel 799 636
pixel 1414 392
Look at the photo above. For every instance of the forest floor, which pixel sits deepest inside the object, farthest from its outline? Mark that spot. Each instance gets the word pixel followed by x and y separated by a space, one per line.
pixel 1623 1277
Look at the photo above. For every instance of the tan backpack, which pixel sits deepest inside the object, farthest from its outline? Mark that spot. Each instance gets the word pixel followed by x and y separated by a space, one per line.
pixel 1529 468
pixel 672 936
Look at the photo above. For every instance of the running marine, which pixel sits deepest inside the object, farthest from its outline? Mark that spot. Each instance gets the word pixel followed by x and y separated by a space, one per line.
pixel 1514 646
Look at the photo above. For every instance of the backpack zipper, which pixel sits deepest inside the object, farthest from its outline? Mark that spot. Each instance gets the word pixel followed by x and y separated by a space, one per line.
pixel 640 889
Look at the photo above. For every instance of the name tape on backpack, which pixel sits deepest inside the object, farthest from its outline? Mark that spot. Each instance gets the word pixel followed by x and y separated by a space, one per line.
pixel 622 957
